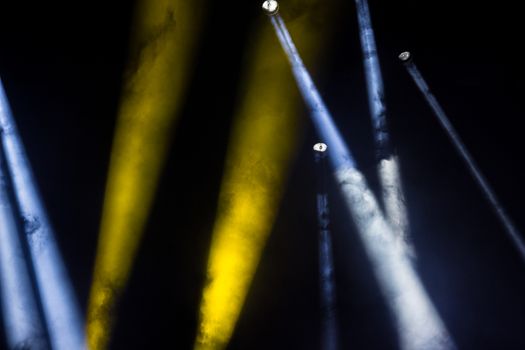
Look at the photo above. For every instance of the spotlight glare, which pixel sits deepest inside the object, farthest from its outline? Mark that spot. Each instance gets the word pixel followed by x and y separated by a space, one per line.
pixel 271 7
pixel 320 147
pixel 405 56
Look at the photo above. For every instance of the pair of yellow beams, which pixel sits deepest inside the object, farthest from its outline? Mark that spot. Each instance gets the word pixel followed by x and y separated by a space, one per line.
pixel 264 136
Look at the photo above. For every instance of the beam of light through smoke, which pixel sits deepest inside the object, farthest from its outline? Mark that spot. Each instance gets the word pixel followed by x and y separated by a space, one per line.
pixel 418 323
pixel 388 166
pixel 262 143
pixel 61 311
pixel 22 320
pixel 163 42
pixel 329 332
pixel 515 236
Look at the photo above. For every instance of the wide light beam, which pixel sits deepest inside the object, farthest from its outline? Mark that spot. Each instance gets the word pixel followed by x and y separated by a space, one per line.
pixel 163 40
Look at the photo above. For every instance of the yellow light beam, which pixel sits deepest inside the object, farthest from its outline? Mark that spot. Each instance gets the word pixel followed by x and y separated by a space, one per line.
pixel 164 36
pixel 263 141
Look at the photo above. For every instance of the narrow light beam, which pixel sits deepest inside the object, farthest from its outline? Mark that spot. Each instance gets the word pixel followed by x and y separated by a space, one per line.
pixel 388 165
pixel 61 312
pixel 329 332
pixel 263 140
pixel 418 324
pixel 22 321
pixel 515 236
pixel 165 33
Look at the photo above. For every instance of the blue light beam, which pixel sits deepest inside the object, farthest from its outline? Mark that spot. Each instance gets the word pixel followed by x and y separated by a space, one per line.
pixel 488 192
pixel 60 308
pixel 22 321
pixel 330 331
pixel 388 164
pixel 418 324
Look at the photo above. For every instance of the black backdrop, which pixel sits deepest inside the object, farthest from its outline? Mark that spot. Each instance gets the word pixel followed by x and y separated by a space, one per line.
pixel 62 66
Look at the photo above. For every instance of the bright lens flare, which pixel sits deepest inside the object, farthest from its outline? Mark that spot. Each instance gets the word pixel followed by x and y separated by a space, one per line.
pixel 162 45
pixel 264 137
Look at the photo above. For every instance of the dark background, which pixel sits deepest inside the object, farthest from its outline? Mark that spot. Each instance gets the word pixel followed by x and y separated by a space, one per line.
pixel 62 67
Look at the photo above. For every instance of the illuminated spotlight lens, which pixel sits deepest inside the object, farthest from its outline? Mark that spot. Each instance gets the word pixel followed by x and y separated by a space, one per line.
pixel 271 7
pixel 160 61
pixel 320 147
pixel 405 56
